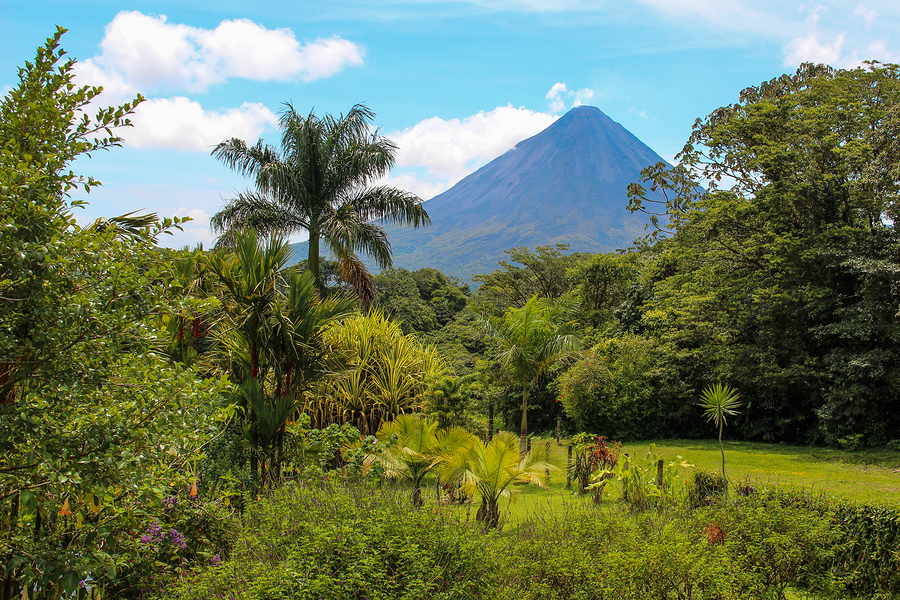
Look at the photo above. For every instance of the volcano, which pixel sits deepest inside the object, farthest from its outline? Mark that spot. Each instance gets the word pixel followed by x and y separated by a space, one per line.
pixel 565 185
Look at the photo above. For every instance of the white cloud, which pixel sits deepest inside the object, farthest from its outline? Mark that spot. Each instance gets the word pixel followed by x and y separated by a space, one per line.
pixel 182 124
pixel 411 182
pixel 194 232
pixel 555 96
pixel 451 149
pixel 559 94
pixel 810 49
pixel 865 13
pixel 583 95
pixel 730 15
pixel 146 53
pixel 848 47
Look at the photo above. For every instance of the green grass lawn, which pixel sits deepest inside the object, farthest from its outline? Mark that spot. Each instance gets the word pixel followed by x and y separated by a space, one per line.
pixel 866 476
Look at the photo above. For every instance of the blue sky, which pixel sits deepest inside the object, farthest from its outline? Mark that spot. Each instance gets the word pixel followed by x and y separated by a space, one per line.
pixel 454 84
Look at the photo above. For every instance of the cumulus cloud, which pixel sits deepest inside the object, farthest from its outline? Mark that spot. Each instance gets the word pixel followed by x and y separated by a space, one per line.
pixel 148 54
pixel 559 94
pixel 451 149
pixel 411 182
pixel 556 94
pixel 194 232
pixel 145 53
pixel 182 124
pixel 583 95
pixel 810 48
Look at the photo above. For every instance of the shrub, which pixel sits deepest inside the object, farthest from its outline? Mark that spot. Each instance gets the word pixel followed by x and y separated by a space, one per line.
pixel 345 541
pixel 592 453
pixel 867 555
pixel 705 488
pixel 597 554
pixel 775 541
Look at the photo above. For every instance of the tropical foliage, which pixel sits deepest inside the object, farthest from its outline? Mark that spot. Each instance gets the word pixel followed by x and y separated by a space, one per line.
pixel 319 182
pixel 95 426
pixel 529 340
pixel 411 447
pixel 718 403
pixel 388 376
pixel 781 275
pixel 491 469
pixel 272 339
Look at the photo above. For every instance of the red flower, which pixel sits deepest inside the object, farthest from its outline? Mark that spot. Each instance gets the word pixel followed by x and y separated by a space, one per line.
pixel 714 534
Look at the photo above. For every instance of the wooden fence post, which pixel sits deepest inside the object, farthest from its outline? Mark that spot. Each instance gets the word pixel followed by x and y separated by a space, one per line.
pixel 558 423
pixel 548 456
pixel 659 473
pixel 569 468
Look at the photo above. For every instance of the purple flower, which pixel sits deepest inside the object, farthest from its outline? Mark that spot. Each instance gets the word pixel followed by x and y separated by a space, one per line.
pixel 177 539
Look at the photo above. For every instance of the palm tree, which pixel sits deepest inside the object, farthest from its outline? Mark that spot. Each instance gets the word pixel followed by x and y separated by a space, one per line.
pixel 490 469
pixel 718 402
pixel 530 340
pixel 414 447
pixel 319 182
pixel 274 334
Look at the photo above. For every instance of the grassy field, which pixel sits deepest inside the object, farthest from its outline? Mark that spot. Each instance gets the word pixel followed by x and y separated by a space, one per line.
pixel 869 476
pixel 866 476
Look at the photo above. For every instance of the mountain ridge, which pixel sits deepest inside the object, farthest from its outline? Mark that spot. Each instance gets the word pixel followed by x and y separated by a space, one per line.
pixel 565 185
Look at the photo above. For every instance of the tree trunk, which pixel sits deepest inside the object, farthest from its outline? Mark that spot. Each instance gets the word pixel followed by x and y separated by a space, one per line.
pixel 490 435
pixel 254 360
pixel 523 434
pixel 313 261
pixel 722 450
pixel 488 513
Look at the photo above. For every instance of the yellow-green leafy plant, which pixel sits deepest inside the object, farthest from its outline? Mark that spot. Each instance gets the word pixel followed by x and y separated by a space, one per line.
pixel 649 483
pixel 529 340
pixel 389 374
pixel 491 469
pixel 413 446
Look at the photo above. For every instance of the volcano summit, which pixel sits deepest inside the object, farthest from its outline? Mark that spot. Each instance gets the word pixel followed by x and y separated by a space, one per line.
pixel 565 185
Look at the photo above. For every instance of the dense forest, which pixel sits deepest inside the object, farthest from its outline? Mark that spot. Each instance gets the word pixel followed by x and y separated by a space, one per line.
pixel 134 377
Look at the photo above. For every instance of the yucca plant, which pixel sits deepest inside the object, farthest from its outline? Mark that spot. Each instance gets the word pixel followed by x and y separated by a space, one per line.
pixel 718 403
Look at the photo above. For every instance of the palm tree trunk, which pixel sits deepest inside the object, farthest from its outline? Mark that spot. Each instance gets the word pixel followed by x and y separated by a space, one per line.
pixel 490 435
pixel 523 433
pixel 313 261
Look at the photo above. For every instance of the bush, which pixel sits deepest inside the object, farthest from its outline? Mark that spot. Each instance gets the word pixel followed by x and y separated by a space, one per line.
pixel 340 542
pixel 706 488
pixel 597 554
pixel 775 541
pixel 867 555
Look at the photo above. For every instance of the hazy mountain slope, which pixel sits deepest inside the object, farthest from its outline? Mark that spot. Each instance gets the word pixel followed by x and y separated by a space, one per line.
pixel 567 184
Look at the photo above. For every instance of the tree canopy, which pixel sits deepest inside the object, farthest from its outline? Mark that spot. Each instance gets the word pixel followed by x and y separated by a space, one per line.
pixel 781 275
